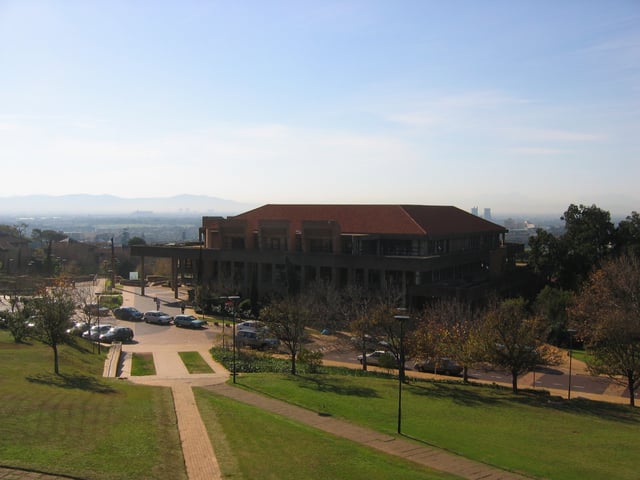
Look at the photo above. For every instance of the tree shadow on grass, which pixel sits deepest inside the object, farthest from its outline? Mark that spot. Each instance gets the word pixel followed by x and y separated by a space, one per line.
pixel 73 381
pixel 335 385
pixel 456 392
pixel 80 345
pixel 581 406
pixel 476 395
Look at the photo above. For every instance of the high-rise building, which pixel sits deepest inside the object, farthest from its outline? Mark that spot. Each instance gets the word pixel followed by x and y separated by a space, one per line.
pixel 487 214
pixel 474 211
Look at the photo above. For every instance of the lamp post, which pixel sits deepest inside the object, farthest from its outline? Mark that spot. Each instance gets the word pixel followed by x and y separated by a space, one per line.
pixel 97 321
pixel 234 299
pixel 570 331
pixel 401 319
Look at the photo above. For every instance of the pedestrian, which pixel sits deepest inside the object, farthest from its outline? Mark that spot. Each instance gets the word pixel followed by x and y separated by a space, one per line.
pixel 157 300
pixel 182 306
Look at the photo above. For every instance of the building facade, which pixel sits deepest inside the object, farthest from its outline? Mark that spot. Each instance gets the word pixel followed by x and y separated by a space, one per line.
pixel 424 251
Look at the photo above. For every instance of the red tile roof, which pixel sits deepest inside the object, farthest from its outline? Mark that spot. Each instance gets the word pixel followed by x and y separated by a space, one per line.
pixel 377 219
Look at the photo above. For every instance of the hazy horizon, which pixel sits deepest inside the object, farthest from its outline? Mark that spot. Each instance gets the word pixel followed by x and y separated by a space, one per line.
pixel 515 106
pixel 90 205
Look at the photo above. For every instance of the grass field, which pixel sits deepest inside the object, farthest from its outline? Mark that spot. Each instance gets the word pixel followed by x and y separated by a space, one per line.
pixel 533 433
pixel 194 362
pixel 257 444
pixel 142 364
pixel 83 425
pixel 79 423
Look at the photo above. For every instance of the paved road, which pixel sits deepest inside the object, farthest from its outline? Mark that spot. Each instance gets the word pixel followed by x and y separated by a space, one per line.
pixel 554 379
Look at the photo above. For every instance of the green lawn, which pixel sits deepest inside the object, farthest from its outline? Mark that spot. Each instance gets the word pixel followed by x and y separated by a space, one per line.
pixel 79 423
pixel 142 364
pixel 194 362
pixel 257 444
pixel 541 435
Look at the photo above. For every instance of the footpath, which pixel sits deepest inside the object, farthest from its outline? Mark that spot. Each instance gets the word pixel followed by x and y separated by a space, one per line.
pixel 200 460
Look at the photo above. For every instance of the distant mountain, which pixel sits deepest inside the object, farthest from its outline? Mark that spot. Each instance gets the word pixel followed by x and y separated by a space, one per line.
pixel 109 204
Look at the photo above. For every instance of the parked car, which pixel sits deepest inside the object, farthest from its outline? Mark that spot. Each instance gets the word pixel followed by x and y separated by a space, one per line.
pixel 445 366
pixel 370 343
pixel 120 334
pixel 157 317
pixel 95 309
pixel 256 339
pixel 78 328
pixel 188 321
pixel 127 313
pixel 96 330
pixel 378 357
pixel 251 325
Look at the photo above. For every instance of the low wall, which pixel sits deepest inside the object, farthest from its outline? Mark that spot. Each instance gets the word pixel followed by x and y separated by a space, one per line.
pixel 113 360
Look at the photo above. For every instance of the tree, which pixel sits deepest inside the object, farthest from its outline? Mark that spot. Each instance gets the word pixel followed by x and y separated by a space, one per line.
pixel 628 235
pixel 136 241
pixel 386 325
pixel 17 324
pixel 355 307
pixel 324 306
pixel 588 238
pixel 545 255
pixel 54 307
pixel 447 328
pixel 513 339
pixel 606 314
pixel 552 304
pixel 287 319
pixel 47 238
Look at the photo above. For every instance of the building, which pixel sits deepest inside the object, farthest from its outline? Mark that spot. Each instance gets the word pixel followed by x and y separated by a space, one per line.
pixel 425 251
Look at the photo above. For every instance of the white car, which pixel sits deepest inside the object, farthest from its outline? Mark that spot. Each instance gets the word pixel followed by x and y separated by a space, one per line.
pixel 374 358
pixel 157 317
pixel 96 330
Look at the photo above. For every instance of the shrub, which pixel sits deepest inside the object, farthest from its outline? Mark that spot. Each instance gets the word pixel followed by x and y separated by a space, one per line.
pixel 312 359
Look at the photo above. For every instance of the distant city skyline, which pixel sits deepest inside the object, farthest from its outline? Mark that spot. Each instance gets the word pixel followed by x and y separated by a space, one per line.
pixel 514 106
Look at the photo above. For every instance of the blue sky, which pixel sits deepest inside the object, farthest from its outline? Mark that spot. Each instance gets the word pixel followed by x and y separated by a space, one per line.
pixel 521 106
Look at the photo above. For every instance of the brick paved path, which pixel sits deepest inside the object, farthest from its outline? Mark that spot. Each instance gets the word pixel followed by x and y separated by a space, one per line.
pixel 199 457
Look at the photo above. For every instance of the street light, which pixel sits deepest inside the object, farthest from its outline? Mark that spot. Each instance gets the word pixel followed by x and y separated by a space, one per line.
pixel 97 321
pixel 234 299
pixel 570 331
pixel 401 319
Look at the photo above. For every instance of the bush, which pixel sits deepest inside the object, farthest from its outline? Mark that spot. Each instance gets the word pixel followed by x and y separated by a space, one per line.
pixel 110 301
pixel 312 359
pixel 17 324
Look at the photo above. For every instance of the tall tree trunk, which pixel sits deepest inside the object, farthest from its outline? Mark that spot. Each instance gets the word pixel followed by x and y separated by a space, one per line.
pixel 632 390
pixel 55 359
pixel 514 382
pixel 293 364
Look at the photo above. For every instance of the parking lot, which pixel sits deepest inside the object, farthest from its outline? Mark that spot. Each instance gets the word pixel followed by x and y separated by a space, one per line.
pixel 147 337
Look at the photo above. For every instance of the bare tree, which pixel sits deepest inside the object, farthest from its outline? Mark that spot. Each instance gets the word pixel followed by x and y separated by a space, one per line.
pixel 356 305
pixel 287 319
pixel 607 316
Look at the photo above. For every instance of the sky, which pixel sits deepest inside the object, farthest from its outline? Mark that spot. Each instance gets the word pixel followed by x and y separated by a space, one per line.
pixel 512 105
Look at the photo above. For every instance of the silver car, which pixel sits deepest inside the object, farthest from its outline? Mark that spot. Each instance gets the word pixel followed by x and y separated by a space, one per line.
pixel 96 330
pixel 157 317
